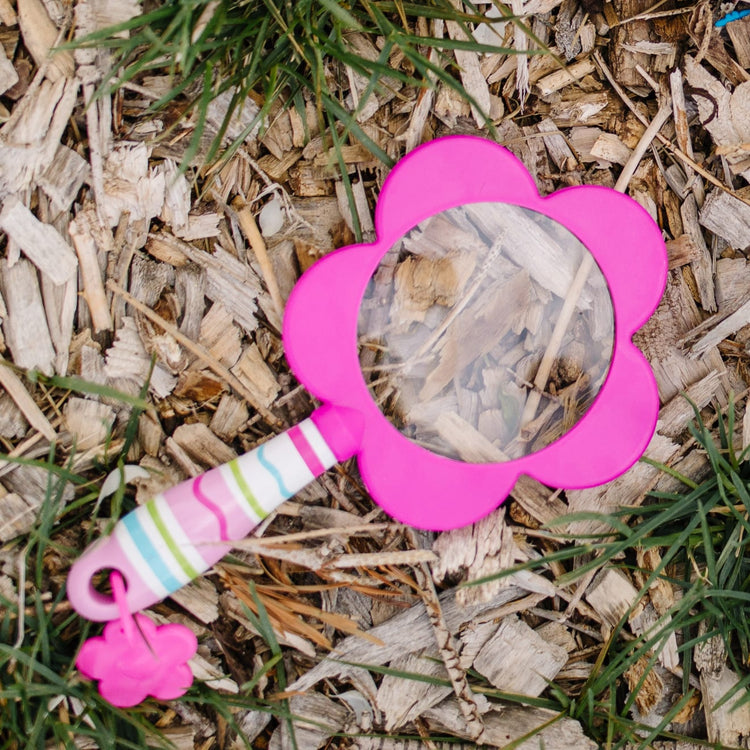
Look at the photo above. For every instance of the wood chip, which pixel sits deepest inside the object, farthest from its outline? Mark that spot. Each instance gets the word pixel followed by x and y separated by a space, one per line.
pixel 508 723
pixel 518 660
pixel 402 701
pixel 202 445
pixel 15 388
pixel 727 217
pixel 472 78
pixel 8 74
pixel 561 78
pixel 89 422
pixel 81 232
pixel 40 35
pixel 41 243
pixel 257 376
pixel 25 327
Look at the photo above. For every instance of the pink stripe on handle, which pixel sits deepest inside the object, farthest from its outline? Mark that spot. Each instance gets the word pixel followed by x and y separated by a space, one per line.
pixel 306 451
pixel 213 507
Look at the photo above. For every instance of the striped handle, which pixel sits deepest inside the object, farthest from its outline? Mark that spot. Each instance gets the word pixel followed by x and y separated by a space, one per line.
pixel 181 533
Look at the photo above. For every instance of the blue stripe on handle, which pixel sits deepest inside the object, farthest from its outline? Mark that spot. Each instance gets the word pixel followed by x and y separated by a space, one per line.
pixel 150 553
pixel 273 471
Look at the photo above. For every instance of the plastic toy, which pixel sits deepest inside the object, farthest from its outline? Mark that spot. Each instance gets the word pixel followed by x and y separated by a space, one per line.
pixel 178 535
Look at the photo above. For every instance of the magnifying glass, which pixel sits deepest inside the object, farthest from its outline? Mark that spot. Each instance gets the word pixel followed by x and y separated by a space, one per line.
pixel 486 333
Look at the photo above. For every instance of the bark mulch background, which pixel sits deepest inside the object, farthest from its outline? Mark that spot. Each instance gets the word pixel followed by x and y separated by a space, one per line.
pixel 112 258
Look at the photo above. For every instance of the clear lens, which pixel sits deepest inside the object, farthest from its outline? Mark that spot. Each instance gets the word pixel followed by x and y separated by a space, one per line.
pixel 486 332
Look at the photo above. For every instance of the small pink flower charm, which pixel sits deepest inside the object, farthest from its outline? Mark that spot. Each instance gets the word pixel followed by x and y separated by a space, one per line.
pixel 134 658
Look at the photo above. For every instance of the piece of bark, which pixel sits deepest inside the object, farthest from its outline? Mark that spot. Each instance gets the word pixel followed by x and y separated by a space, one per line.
pixel 613 597
pixel 257 376
pixel 150 434
pixel 7 13
pixel 511 722
pixel 8 74
pixel 540 165
pixel 682 128
pixel 703 266
pixel 40 36
pixel 89 422
pixel 60 304
pixel 25 328
pixel 360 205
pixel 162 249
pixel 40 242
pixel 13 424
pixel 64 178
pixel 315 718
pixel 567 36
pixel 623 40
pixel 727 217
pixel 537 500
pixel 200 599
pixel 176 208
pixel 518 660
pixel 128 363
pixel 728 724
pixel 31 137
pixel 220 336
pixel 558 148
pixel 676 414
pixel 561 78
pixel 17 516
pixel 129 185
pixel 81 232
pixel 401 700
pixel 714 330
pixel 30 484
pixel 681 251
pixel 202 445
pixel 362 46
pixel 642 676
pixel 732 283
pixel 15 388
pixel 190 285
pixel 476 551
pixel 322 221
pixel 228 281
pixel 611 149
pixel 739 33
pixel 475 84
pixel 579 108
pixel 149 280
pixel 230 415
pixel 244 121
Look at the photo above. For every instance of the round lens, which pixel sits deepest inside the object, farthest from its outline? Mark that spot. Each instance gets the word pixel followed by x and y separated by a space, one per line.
pixel 486 332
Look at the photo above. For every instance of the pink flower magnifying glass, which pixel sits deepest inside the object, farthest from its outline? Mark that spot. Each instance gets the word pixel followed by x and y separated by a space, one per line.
pixel 485 334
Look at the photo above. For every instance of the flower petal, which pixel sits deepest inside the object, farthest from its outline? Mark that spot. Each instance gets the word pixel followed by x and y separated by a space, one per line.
pixel 121 691
pixel 175 643
pixel 174 684
pixel 94 658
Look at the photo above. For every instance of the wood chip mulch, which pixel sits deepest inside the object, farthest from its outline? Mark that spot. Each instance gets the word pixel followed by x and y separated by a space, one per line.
pixel 113 257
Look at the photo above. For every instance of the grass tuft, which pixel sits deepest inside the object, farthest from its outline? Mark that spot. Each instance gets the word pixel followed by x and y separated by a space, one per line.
pixel 284 54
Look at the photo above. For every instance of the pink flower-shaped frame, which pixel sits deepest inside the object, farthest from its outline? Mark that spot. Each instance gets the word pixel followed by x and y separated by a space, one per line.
pixel 320 334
